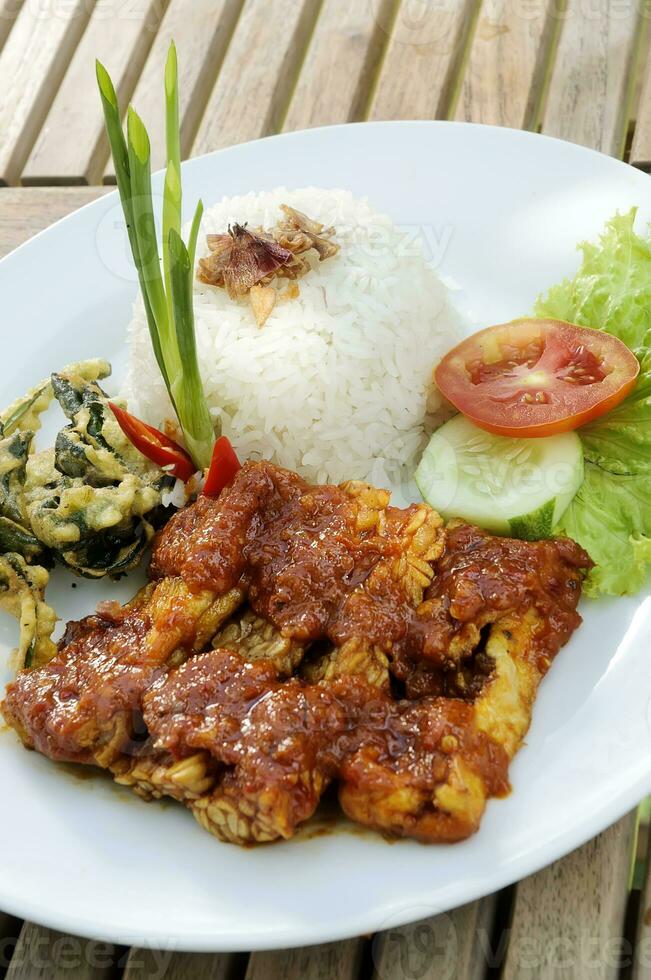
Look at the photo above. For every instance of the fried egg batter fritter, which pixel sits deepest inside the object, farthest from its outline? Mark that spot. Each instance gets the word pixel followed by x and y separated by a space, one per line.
pixel 295 636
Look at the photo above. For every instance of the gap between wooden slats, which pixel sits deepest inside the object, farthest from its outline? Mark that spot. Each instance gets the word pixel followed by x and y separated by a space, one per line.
pixel 453 944
pixel 157 964
pixel 340 64
pixel 568 920
pixel 43 954
pixel 9 932
pixel 72 147
pixel 641 147
pixel 201 30
pixel 9 10
pixel 258 73
pixel 333 961
pixel 32 63
pixel 592 76
pixel 425 52
pixel 503 78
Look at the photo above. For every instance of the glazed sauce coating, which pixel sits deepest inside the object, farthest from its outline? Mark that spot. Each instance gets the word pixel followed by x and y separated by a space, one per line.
pixel 298 552
pixel 273 734
pixel 324 565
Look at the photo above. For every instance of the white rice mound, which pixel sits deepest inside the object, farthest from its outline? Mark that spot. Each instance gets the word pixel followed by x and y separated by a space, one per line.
pixel 337 384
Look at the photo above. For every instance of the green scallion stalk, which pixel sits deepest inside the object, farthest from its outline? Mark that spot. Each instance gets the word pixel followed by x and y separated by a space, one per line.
pixel 167 294
pixel 201 440
pixel 121 163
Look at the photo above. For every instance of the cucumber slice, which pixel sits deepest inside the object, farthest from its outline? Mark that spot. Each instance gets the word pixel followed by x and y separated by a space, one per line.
pixel 518 487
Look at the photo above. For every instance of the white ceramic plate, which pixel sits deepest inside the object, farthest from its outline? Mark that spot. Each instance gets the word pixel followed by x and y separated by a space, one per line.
pixel 502 212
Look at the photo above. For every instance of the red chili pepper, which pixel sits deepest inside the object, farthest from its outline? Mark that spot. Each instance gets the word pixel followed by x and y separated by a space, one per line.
pixel 154 444
pixel 223 467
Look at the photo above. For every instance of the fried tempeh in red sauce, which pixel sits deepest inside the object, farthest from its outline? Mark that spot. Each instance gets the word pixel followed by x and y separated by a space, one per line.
pixel 418 651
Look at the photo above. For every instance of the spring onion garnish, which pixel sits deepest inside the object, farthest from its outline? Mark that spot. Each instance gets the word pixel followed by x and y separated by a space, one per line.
pixel 167 295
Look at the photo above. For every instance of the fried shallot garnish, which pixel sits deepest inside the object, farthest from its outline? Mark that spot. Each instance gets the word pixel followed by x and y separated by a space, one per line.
pixel 241 259
pixel 245 262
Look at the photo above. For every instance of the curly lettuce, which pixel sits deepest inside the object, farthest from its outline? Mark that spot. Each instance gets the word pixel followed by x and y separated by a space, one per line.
pixel 611 513
pixel 612 289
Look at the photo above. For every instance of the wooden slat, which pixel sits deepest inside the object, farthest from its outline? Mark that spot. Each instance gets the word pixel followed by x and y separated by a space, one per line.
pixel 503 79
pixel 591 79
pixel 449 945
pixel 72 147
pixel 568 919
pixel 42 954
pixel 27 211
pixel 340 64
pixel 641 148
pixel 422 60
pixel 334 960
pixel 32 64
pixel 641 965
pixel 8 13
pixel 258 73
pixel 201 30
pixel 155 964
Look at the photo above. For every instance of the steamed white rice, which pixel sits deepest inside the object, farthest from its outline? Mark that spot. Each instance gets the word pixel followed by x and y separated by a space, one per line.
pixel 338 383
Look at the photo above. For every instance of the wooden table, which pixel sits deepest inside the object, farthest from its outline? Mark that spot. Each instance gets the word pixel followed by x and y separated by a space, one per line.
pixel 578 69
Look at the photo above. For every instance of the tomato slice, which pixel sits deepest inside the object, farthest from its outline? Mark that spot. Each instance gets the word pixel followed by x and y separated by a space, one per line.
pixel 154 444
pixel 535 377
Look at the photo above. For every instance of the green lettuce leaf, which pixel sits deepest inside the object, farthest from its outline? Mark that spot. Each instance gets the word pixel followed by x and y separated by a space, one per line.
pixel 611 518
pixel 611 513
pixel 620 442
pixel 612 289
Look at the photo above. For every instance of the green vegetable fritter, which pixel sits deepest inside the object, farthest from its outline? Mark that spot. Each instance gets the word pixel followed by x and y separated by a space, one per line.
pixel 91 502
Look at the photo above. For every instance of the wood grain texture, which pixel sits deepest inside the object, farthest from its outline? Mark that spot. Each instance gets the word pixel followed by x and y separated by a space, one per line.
pixel 258 73
pixel 201 30
pixel 453 944
pixel 641 146
pixel 9 10
pixel 333 961
pixel 568 919
pixel 72 147
pixel 423 56
pixel 641 965
pixel 340 64
pixel 503 78
pixel 43 954
pixel 26 211
pixel 32 64
pixel 155 964
pixel 591 80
